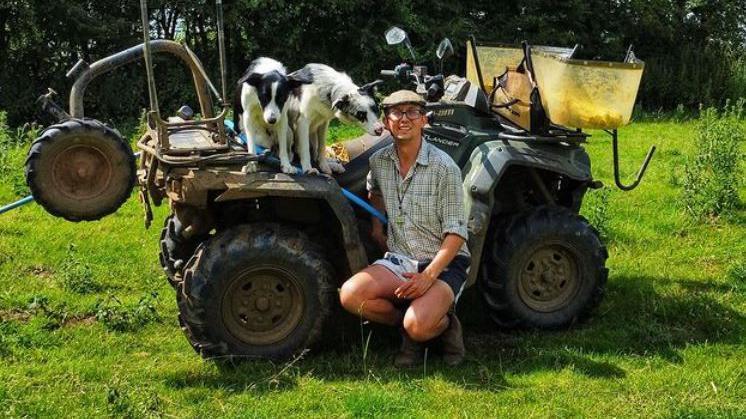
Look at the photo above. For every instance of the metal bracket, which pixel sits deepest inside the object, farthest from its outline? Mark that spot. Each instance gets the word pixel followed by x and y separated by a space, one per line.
pixel 49 106
pixel 640 173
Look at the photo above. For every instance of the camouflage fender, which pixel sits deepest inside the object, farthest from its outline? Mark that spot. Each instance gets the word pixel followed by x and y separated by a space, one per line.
pixel 488 163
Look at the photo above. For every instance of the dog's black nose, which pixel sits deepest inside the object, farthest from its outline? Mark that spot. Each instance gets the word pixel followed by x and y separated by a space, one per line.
pixel 271 120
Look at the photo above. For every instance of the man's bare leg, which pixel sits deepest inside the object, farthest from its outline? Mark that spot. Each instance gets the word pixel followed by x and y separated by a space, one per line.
pixel 370 293
pixel 426 316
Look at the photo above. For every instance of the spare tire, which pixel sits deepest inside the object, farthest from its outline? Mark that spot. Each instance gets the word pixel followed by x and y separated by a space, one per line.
pixel 80 170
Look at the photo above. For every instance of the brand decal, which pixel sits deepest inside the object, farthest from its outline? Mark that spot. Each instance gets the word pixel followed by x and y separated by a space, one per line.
pixel 444 112
pixel 439 140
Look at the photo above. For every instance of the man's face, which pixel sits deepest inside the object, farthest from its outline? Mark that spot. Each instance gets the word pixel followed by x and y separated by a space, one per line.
pixel 400 124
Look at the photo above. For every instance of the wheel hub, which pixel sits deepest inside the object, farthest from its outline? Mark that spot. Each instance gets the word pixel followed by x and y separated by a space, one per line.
pixel 549 278
pixel 263 305
pixel 82 172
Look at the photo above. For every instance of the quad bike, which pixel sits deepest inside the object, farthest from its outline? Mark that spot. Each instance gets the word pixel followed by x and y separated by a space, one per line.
pixel 256 259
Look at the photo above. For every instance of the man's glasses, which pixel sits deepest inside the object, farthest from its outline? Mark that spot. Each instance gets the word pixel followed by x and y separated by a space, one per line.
pixel 411 114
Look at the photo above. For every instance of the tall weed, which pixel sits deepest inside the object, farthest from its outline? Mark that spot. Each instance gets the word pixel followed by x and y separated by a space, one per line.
pixel 13 145
pixel 596 209
pixel 712 175
pixel 76 275
pixel 116 316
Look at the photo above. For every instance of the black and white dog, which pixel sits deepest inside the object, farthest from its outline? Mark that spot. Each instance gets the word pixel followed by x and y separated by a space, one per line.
pixel 261 103
pixel 330 95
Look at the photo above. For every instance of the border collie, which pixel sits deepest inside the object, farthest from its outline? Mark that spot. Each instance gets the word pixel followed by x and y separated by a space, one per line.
pixel 261 103
pixel 331 95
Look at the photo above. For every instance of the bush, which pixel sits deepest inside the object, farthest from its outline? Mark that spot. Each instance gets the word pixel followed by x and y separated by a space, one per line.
pixel 712 176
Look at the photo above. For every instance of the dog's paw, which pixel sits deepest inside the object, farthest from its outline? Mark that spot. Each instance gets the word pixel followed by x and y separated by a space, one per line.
pixel 336 167
pixel 288 169
pixel 312 171
pixel 251 167
pixel 324 167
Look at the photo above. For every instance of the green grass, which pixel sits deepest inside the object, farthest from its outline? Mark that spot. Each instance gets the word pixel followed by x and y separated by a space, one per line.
pixel 667 341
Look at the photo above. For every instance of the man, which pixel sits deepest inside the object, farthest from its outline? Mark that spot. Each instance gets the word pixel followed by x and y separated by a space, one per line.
pixel 419 187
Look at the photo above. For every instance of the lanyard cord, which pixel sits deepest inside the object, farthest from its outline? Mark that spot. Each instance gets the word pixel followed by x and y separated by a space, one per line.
pixel 401 195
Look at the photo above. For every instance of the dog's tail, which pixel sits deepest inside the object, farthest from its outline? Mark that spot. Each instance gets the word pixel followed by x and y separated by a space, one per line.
pixel 237 107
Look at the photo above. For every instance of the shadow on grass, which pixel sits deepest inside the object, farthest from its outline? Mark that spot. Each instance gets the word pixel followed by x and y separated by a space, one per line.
pixel 634 320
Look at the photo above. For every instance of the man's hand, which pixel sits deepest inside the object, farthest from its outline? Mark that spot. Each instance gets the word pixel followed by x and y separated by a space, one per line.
pixel 416 287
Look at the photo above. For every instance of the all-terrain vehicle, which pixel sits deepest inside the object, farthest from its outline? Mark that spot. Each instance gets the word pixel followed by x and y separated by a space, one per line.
pixel 256 259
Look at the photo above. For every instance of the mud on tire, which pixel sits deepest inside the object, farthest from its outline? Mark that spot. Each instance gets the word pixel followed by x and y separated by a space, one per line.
pixel 176 249
pixel 255 291
pixel 543 269
pixel 80 170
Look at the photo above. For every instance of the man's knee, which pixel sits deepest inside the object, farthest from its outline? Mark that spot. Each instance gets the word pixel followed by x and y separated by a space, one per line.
pixel 351 295
pixel 419 330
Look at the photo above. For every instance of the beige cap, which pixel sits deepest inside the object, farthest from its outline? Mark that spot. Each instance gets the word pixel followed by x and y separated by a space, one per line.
pixel 403 96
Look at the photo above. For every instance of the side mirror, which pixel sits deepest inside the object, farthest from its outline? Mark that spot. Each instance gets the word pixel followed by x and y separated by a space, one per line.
pixel 396 35
pixel 445 49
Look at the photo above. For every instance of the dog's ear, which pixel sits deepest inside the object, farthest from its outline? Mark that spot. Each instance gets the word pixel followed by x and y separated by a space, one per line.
pixel 370 88
pixel 297 78
pixel 342 102
pixel 254 79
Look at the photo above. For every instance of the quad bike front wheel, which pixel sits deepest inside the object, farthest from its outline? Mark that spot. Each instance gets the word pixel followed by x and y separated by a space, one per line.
pixel 255 291
pixel 544 269
pixel 80 170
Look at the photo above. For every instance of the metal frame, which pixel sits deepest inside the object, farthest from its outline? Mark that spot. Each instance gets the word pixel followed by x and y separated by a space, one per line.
pixel 640 173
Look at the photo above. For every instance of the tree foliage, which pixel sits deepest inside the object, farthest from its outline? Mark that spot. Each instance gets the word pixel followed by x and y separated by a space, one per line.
pixel 693 49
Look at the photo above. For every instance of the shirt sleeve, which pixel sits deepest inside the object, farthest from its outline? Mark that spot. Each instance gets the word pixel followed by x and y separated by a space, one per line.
pixel 371 182
pixel 451 202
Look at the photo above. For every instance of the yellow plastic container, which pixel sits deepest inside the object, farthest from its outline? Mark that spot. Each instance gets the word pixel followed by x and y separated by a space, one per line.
pixel 585 93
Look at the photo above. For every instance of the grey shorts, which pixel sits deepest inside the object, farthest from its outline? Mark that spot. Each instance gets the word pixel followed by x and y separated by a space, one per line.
pixel 454 274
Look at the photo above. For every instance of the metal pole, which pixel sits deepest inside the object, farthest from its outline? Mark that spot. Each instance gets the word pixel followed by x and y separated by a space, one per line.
pixel 221 48
pixel 148 58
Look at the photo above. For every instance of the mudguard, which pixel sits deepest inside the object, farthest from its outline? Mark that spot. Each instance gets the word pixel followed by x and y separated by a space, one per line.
pixel 194 186
pixel 486 166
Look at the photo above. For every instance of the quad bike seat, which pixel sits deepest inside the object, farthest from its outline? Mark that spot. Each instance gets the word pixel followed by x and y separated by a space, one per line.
pixel 356 171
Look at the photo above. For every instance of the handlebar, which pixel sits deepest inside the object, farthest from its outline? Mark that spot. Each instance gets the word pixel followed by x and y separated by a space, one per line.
pixel 390 73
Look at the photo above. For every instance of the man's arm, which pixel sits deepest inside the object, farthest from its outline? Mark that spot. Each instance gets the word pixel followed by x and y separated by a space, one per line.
pixel 378 232
pixel 419 283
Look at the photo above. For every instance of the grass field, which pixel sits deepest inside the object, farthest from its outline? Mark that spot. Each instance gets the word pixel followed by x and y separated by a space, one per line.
pixel 88 324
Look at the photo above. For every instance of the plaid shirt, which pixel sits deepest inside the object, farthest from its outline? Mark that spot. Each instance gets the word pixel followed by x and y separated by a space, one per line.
pixel 431 196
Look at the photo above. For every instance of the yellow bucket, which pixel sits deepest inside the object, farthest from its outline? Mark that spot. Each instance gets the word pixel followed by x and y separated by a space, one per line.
pixel 585 93
pixel 494 59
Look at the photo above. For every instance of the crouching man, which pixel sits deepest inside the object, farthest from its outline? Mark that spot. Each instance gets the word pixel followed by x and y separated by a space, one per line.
pixel 421 276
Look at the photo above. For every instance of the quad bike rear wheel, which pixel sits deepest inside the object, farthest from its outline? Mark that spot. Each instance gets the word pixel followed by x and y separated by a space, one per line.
pixel 80 170
pixel 545 269
pixel 255 291
pixel 176 248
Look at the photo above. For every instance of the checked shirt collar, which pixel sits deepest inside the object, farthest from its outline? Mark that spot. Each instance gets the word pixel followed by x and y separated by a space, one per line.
pixel 423 157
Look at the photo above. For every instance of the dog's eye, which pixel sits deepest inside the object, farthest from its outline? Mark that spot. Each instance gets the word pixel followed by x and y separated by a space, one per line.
pixel 361 116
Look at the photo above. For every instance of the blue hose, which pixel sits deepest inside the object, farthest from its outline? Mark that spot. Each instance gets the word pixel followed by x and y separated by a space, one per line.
pixel 19 203
pixel 23 201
